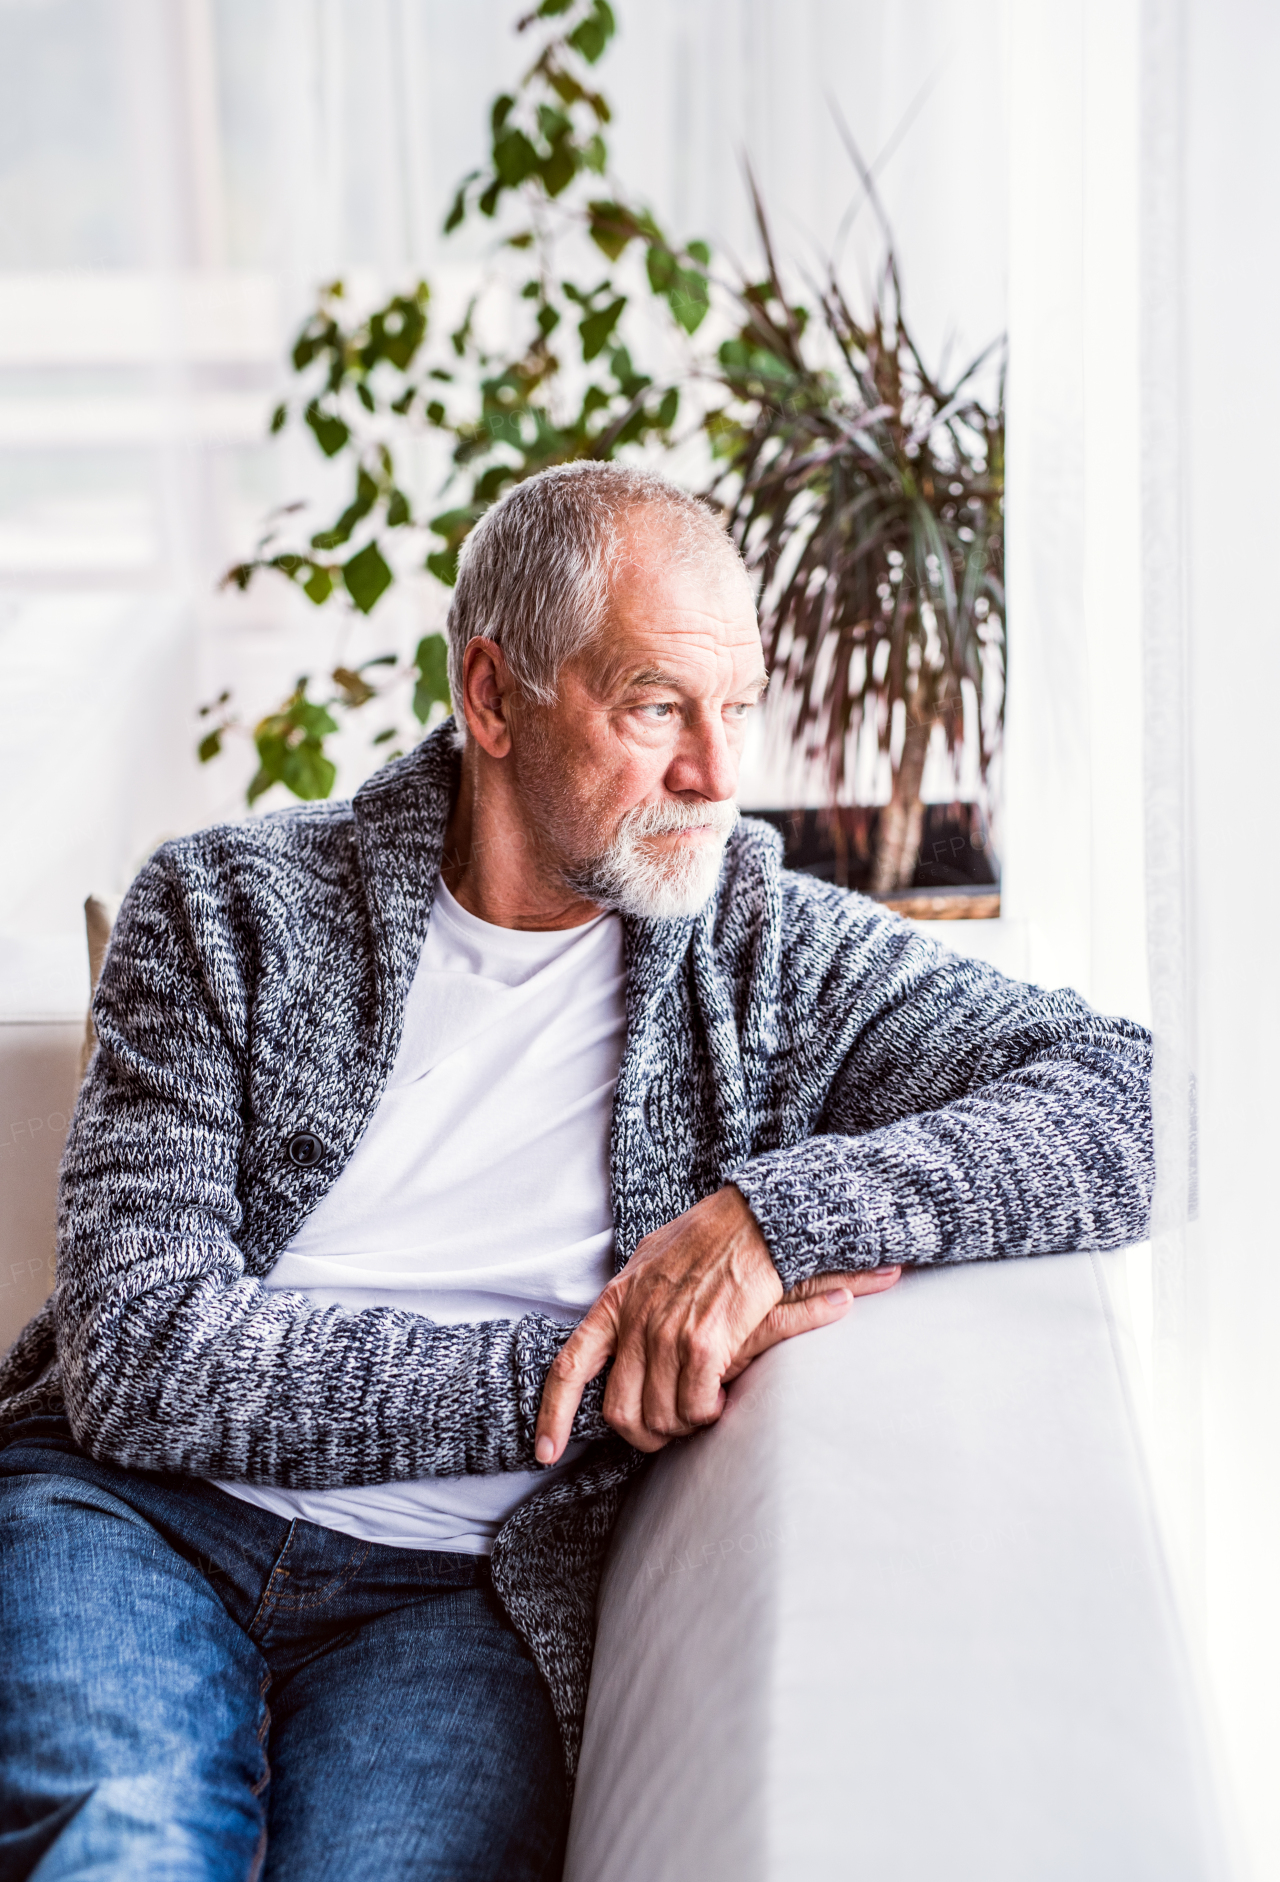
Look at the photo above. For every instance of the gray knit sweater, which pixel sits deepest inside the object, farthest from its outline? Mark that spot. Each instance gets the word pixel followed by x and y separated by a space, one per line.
pixel 874 1097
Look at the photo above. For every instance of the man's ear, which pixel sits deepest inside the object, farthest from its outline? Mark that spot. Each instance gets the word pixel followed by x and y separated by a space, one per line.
pixel 487 692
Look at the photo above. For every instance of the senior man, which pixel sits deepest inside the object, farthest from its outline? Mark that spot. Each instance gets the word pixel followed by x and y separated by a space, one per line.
pixel 445 1152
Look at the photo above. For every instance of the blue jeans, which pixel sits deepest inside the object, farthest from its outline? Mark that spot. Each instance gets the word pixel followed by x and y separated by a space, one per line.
pixel 193 1688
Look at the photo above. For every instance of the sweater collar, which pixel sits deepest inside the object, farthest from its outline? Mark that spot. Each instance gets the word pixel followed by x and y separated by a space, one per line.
pixel 401 814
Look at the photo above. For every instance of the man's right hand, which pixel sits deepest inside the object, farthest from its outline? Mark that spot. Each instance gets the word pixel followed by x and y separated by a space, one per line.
pixel 697 1302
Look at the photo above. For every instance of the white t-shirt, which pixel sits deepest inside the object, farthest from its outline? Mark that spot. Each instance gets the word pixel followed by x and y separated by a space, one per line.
pixel 480 1190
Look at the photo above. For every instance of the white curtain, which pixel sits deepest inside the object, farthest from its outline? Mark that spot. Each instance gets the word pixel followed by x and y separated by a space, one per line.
pixel 1212 401
pixel 1145 191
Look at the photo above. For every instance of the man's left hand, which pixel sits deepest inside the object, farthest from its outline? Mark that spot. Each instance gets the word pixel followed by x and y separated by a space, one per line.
pixel 698 1300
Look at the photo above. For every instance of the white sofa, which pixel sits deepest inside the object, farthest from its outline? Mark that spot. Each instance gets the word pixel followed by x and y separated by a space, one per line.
pixel 44 987
pixel 901 1617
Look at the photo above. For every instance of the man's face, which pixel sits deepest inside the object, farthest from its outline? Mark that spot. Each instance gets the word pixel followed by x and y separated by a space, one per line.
pixel 632 772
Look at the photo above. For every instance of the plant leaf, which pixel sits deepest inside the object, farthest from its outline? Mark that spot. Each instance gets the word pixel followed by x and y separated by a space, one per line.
pixel 443 564
pixel 432 661
pixel 318 586
pixel 592 35
pixel 367 577
pixel 559 169
pixel 514 158
pixel 458 213
pixel 307 772
pixel 355 689
pixel 597 327
pixel 331 432
pixel 611 227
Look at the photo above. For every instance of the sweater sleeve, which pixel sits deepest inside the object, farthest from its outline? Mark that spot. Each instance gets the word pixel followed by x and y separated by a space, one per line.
pixel 964 1116
pixel 173 1357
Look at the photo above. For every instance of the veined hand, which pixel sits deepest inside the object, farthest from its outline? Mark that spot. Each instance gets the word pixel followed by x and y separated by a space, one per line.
pixel 696 1303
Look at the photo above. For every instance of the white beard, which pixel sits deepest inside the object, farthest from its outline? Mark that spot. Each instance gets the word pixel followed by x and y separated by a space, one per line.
pixel 631 880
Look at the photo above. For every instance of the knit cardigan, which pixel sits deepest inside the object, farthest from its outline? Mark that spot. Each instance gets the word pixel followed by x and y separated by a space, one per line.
pixel 874 1097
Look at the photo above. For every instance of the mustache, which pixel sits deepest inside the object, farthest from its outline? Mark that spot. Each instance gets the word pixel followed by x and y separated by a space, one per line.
pixel 662 819
pixel 631 881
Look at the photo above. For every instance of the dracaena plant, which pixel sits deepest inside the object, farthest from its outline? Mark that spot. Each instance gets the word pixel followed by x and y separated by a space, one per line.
pixel 866 493
pixel 369 384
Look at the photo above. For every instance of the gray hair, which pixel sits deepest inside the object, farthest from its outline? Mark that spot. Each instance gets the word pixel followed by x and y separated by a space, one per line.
pixel 535 572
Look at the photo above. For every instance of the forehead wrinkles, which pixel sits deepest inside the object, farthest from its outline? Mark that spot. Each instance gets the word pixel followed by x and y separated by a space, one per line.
pixel 683 627
pixel 693 660
pixel 679 601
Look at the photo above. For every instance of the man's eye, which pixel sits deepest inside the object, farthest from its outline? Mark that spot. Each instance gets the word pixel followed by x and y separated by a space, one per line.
pixel 659 708
pixel 738 710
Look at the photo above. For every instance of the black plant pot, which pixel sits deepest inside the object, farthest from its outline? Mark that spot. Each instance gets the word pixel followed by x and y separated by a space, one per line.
pixel 955 875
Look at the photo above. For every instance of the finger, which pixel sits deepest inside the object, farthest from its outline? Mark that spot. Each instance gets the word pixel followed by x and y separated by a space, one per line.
pixel 857 1281
pixel 666 1352
pixel 578 1361
pixel 868 1280
pixel 699 1394
pixel 793 1316
pixel 624 1394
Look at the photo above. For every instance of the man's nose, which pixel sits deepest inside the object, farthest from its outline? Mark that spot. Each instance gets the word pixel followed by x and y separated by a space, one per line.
pixel 704 763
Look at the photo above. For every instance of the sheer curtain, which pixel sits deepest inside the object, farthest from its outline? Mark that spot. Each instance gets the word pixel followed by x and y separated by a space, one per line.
pixel 1144 669
pixel 1210 297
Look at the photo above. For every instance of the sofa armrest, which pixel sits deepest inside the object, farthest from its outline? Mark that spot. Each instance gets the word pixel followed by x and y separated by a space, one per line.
pixel 902 1614
pixel 39 1076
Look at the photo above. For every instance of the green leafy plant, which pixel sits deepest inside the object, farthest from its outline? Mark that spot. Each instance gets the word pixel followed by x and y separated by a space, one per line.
pixel 366 382
pixel 866 493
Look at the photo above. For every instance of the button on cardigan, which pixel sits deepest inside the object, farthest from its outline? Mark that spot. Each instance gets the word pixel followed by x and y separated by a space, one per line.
pixel 304 1149
pixel 874 1097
